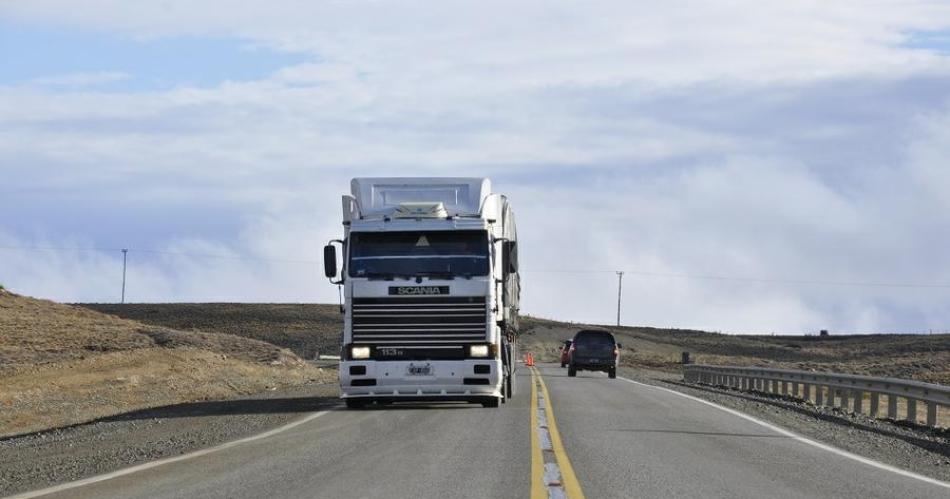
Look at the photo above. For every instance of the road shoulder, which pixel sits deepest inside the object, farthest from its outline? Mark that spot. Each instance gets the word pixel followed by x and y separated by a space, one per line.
pixel 46 458
pixel 920 451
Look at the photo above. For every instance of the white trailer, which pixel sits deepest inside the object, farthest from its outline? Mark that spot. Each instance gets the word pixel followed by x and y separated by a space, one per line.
pixel 429 271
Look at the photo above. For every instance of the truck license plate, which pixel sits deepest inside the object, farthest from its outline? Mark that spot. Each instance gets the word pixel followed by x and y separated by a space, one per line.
pixel 425 370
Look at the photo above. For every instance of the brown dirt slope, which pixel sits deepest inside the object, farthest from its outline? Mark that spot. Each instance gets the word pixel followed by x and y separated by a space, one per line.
pixel 61 365
pixel 303 328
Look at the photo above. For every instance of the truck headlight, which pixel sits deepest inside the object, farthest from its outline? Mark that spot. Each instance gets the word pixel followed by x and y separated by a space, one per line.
pixel 478 351
pixel 358 353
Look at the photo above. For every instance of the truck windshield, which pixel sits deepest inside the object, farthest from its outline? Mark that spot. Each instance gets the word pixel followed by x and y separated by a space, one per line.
pixel 400 254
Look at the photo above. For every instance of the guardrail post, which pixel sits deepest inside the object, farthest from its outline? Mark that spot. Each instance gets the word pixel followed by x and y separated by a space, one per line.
pixel 931 414
pixel 819 399
pixel 806 392
pixel 831 397
pixel 892 407
pixel 795 389
pixel 874 403
pixel 844 399
pixel 912 410
pixel 858 401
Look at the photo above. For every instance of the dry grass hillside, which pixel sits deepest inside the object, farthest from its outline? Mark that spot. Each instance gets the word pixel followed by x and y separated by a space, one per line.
pixel 920 357
pixel 62 364
pixel 306 328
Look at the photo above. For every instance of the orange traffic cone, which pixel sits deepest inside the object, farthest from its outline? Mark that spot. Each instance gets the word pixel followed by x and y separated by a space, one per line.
pixel 530 360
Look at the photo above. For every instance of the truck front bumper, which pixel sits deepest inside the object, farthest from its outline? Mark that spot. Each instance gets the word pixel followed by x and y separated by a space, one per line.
pixel 443 380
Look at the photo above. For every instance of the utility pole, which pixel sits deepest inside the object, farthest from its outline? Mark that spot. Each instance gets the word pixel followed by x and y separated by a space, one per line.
pixel 125 254
pixel 619 293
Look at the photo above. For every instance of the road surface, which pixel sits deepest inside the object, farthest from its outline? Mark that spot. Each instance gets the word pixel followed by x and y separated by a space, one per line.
pixel 607 438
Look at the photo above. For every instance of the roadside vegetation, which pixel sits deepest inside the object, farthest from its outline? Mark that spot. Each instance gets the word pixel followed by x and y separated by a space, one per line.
pixel 921 357
pixel 308 329
pixel 62 365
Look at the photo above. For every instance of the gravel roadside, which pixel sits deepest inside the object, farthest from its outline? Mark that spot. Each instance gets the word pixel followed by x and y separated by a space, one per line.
pixel 917 449
pixel 42 459
pixel 46 458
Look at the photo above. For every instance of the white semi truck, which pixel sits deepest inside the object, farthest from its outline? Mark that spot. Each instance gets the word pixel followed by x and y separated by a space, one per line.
pixel 429 269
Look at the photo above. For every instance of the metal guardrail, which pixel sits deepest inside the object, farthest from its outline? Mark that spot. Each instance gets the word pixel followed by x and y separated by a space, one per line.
pixel 828 388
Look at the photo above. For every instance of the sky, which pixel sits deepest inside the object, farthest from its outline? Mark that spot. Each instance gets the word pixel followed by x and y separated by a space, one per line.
pixel 754 167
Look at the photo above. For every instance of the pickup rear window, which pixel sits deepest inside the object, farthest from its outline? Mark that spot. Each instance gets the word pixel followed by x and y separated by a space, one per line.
pixel 594 338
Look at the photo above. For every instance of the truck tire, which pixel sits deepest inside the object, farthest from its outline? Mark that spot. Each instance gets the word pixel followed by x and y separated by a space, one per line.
pixel 510 385
pixel 355 404
pixel 571 371
pixel 491 402
pixel 612 373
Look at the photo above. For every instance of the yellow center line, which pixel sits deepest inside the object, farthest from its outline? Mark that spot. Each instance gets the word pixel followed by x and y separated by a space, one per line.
pixel 538 489
pixel 569 480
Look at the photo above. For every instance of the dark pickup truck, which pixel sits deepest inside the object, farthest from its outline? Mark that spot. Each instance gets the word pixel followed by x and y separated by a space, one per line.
pixel 594 350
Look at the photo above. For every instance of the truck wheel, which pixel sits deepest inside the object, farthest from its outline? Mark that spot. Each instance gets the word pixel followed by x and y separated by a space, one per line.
pixel 490 402
pixel 612 373
pixel 355 404
pixel 571 371
pixel 510 385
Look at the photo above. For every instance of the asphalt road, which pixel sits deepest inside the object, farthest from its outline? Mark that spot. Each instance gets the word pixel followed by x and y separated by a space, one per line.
pixel 622 440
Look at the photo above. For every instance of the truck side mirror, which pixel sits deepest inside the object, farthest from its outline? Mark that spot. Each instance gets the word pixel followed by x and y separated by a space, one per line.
pixel 329 261
pixel 510 255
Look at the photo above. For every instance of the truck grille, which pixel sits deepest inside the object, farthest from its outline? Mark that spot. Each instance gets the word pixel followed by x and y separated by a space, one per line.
pixel 416 322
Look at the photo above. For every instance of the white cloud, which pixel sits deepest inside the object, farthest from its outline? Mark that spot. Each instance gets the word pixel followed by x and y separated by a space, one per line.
pixel 82 79
pixel 793 141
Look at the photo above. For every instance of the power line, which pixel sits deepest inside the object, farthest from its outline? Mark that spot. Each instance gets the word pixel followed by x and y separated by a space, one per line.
pixel 746 279
pixel 158 252
pixel 645 273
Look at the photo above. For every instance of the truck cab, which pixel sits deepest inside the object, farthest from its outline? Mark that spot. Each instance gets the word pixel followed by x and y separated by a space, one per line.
pixel 430 281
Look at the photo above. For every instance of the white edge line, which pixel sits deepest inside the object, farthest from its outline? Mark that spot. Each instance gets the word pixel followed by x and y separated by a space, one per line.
pixel 168 460
pixel 804 440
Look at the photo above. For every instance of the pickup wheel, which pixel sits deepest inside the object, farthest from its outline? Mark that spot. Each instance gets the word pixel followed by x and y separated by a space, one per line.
pixel 491 402
pixel 571 371
pixel 612 373
pixel 355 404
